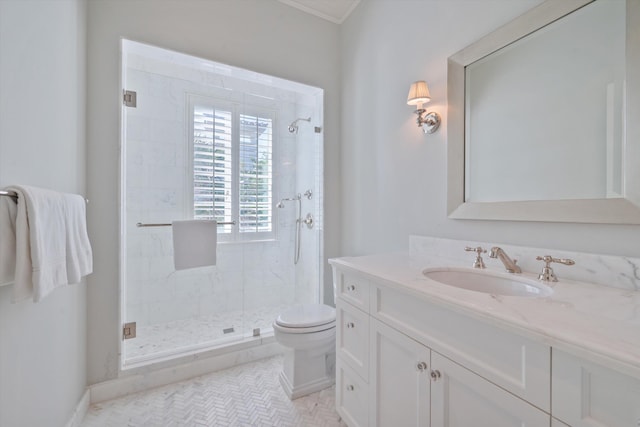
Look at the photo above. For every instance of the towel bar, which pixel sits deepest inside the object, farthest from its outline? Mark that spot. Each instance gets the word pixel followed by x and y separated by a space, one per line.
pixel 14 195
pixel 8 194
pixel 169 225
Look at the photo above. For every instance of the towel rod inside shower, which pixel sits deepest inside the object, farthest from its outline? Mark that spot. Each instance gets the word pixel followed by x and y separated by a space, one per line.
pixel 169 225
pixel 14 195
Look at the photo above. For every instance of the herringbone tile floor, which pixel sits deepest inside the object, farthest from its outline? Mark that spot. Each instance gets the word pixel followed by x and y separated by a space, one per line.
pixel 245 395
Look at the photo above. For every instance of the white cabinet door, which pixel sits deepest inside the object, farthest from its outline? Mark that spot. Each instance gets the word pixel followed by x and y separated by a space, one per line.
pixel 460 398
pixel 399 383
pixel 589 395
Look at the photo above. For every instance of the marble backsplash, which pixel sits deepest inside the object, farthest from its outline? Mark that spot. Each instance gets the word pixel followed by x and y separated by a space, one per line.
pixel 615 271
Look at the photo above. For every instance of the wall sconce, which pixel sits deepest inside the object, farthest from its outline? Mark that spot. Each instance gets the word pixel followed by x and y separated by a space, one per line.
pixel 418 95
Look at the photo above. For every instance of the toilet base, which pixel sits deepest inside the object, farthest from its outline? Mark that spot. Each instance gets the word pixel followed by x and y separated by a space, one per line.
pixel 310 372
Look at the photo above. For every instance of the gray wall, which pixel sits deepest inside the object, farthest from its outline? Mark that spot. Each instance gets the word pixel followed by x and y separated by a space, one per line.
pixel 42 143
pixel 260 35
pixel 384 179
pixel 393 176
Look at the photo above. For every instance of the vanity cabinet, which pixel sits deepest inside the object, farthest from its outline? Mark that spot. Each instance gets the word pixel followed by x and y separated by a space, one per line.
pixel 423 365
pixel 586 394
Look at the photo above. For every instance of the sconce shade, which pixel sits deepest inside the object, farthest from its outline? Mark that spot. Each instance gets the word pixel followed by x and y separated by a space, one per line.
pixel 418 93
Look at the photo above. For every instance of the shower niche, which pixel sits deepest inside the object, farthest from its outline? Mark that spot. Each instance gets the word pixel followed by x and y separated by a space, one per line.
pixel 211 141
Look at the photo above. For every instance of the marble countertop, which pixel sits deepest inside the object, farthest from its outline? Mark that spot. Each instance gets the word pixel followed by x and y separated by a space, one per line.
pixel 595 322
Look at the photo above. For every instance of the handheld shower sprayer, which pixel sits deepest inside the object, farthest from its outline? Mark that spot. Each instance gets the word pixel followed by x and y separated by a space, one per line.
pixel 299 220
pixel 293 127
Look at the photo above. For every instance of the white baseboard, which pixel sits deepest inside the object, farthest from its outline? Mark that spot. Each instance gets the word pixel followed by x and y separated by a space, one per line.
pixel 151 378
pixel 80 411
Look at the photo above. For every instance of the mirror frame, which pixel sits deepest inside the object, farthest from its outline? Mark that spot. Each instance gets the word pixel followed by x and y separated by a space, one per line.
pixel 606 211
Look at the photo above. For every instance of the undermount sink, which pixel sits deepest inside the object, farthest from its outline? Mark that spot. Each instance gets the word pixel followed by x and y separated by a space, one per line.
pixel 489 282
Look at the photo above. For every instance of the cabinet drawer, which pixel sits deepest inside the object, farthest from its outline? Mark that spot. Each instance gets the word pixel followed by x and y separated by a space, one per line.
pixel 351 396
pixel 352 288
pixel 460 398
pixel 515 363
pixel 588 395
pixel 352 337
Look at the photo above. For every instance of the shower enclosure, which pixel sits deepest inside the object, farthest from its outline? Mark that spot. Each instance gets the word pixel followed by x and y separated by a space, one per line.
pixel 204 140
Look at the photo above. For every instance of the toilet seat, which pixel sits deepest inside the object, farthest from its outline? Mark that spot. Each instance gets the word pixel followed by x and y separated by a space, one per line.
pixel 307 318
pixel 307 330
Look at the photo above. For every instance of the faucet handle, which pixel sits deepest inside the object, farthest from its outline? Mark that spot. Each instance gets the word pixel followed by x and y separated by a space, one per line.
pixel 549 259
pixel 479 249
pixel 479 262
pixel 547 274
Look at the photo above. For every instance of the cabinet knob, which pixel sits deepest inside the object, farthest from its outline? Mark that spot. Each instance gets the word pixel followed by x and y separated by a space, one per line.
pixel 351 288
pixel 435 375
pixel 351 325
pixel 422 366
pixel 350 387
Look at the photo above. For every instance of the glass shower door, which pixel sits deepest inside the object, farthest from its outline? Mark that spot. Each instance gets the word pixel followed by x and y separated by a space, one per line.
pixel 167 170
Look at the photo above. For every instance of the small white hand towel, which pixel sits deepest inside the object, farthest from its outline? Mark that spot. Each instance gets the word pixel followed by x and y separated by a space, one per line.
pixel 79 253
pixel 52 245
pixel 8 211
pixel 194 243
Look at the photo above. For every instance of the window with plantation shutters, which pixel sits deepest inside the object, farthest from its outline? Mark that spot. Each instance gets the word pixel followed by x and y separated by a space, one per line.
pixel 255 180
pixel 232 159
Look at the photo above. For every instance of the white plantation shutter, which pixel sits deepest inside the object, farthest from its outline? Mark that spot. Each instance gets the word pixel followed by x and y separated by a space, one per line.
pixel 233 168
pixel 212 164
pixel 256 175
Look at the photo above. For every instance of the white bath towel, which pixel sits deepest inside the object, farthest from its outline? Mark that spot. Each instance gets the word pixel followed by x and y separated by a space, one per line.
pixel 194 243
pixel 52 245
pixel 8 210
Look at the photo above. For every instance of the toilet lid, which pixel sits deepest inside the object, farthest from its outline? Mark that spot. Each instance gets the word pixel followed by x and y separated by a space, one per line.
pixel 307 315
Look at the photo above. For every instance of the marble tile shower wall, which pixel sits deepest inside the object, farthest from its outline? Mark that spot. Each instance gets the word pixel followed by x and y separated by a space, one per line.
pixel 309 177
pixel 248 275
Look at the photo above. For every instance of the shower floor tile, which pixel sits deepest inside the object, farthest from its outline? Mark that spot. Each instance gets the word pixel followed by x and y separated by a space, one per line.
pixel 245 395
pixel 183 334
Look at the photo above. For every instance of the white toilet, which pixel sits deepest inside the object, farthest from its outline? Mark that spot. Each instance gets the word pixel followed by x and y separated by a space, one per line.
pixel 308 333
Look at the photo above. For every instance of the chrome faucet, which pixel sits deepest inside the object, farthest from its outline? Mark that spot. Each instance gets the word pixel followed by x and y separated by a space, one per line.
pixel 509 264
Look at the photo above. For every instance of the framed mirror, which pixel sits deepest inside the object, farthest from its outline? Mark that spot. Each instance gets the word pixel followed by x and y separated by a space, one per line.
pixel 543 117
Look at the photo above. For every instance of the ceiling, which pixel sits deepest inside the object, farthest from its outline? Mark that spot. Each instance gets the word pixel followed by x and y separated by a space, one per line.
pixel 335 11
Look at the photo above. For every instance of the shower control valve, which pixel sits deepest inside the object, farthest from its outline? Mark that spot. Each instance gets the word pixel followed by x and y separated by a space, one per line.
pixel 308 220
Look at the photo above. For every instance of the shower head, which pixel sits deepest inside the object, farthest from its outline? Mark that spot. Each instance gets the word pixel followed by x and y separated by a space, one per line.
pixel 293 127
pixel 288 199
